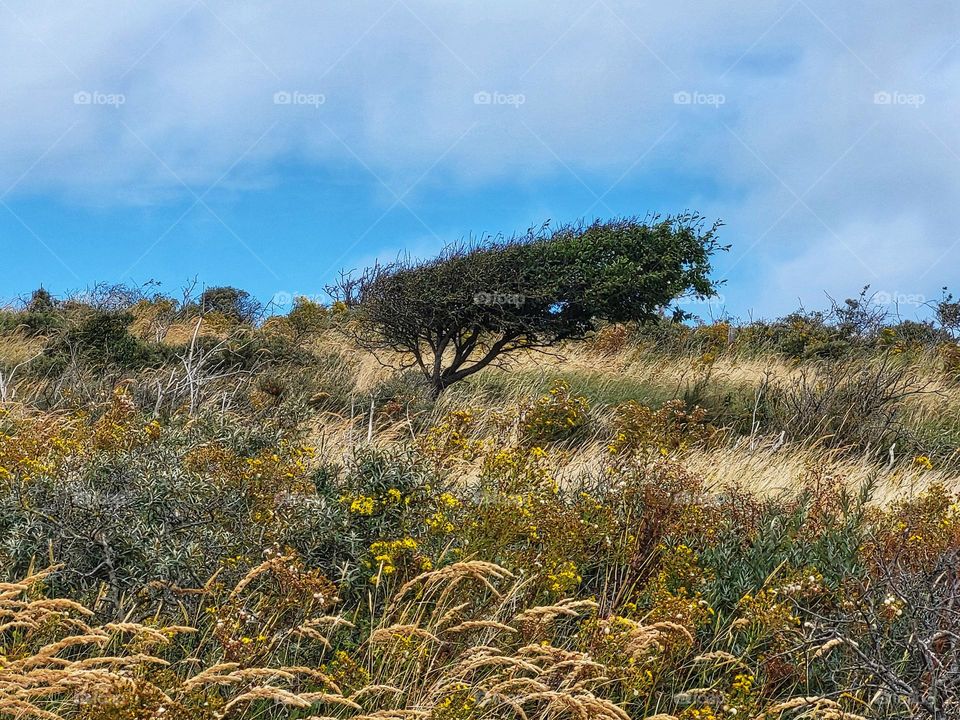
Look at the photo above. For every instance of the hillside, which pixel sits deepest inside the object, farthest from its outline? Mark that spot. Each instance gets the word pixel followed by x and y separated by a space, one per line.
pixel 206 514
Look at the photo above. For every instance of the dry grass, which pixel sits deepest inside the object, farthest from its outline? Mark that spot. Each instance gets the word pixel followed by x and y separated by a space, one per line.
pixel 16 349
pixel 410 670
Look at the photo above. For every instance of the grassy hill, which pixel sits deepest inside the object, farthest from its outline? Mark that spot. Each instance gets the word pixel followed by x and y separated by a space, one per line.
pixel 203 516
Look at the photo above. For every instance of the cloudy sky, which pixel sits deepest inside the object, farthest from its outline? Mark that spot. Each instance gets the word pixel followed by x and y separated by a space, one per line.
pixel 269 144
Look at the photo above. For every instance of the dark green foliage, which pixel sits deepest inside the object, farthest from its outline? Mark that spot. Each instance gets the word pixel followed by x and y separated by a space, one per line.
pixel 41 315
pixel 230 302
pixel 323 529
pixel 41 301
pixel 821 530
pixel 919 333
pixel 105 337
pixel 142 515
pixel 100 339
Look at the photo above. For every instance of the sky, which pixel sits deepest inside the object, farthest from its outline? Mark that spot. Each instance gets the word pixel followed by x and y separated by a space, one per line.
pixel 268 145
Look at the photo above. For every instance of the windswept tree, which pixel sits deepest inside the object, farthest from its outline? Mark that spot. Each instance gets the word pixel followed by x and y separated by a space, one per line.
pixel 470 307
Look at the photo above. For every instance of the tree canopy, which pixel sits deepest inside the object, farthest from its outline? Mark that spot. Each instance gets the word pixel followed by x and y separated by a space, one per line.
pixel 453 315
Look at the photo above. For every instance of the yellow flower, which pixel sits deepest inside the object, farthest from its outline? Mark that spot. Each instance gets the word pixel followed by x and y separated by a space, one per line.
pixel 448 500
pixel 743 684
pixel 564 578
pixel 362 505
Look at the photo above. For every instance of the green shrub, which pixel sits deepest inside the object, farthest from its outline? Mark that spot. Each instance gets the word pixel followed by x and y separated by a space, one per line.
pixel 99 340
pixel 230 302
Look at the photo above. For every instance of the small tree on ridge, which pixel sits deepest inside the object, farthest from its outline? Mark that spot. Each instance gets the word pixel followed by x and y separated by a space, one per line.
pixel 473 305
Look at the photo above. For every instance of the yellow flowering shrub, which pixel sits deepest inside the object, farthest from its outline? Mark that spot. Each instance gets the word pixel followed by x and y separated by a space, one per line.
pixel 767 614
pixel 360 504
pixel 564 578
pixel 443 519
pixel 675 593
pixel 518 469
pixel 389 556
pixel 553 416
pixel 712 338
pixel 36 446
pixel 917 531
pixel 671 428
pixel 264 478
pixel 451 438
pixel 700 712
pixel 346 672
pixel 459 703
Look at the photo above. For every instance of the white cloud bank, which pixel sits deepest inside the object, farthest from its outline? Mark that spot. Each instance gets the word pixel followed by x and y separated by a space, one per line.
pixel 826 132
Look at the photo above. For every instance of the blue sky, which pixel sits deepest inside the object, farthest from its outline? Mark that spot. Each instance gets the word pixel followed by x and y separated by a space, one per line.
pixel 268 145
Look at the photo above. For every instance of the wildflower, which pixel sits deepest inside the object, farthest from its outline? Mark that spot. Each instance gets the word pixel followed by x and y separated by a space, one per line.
pixel 389 554
pixel 448 500
pixel 743 684
pixel 564 578
pixel 362 505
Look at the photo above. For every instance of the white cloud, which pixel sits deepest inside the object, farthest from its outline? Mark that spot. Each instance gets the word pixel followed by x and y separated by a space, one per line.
pixel 800 158
pixel 826 266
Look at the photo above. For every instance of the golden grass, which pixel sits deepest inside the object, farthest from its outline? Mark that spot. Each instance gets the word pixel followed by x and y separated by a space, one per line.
pixel 16 349
pixel 406 677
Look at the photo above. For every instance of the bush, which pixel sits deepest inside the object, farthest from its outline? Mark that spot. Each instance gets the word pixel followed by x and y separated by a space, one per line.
pixel 556 416
pixel 611 339
pixel 100 339
pixel 909 334
pixel 842 405
pixel 42 314
pixel 232 303
pixel 307 319
pixel 669 429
